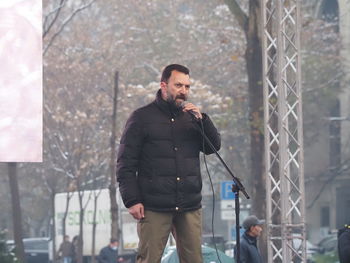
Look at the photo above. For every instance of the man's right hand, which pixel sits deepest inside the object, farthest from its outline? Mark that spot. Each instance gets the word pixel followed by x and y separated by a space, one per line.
pixel 137 211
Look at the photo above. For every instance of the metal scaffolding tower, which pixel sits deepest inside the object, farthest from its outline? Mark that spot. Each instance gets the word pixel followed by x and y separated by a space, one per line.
pixel 283 131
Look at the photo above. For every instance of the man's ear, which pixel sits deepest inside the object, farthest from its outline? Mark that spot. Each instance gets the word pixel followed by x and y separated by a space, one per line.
pixel 163 89
pixel 163 85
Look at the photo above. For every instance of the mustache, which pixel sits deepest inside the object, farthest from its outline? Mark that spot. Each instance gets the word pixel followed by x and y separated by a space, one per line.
pixel 183 97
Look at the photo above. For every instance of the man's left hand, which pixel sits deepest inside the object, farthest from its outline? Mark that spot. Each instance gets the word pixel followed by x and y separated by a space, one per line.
pixel 193 110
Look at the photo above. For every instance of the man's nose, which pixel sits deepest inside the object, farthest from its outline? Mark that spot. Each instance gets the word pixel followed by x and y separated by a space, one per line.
pixel 183 89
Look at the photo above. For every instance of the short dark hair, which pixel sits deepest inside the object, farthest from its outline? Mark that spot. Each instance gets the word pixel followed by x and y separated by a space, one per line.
pixel 168 69
pixel 113 240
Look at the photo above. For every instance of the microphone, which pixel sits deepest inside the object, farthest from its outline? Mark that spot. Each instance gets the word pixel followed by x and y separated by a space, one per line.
pixel 193 113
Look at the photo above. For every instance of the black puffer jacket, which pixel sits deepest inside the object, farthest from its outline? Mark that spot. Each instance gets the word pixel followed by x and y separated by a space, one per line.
pixel 158 159
pixel 344 244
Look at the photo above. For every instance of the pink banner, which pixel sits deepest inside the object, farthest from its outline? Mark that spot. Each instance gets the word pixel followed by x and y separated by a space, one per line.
pixel 21 81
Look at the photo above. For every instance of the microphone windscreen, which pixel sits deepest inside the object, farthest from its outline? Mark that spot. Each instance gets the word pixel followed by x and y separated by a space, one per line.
pixel 183 104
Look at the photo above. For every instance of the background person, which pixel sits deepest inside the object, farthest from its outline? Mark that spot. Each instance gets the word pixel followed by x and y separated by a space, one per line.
pixel 109 253
pixel 344 244
pixel 66 250
pixel 75 243
pixel 249 252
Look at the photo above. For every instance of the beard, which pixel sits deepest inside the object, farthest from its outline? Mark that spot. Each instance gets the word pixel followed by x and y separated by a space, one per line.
pixel 174 100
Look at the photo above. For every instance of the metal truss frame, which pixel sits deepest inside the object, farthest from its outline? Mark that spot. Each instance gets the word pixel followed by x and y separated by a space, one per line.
pixel 283 131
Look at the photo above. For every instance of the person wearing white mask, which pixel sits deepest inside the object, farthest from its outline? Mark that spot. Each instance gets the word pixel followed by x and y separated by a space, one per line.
pixel 109 253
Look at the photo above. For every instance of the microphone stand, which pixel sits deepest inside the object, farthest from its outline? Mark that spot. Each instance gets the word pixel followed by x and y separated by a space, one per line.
pixel 236 187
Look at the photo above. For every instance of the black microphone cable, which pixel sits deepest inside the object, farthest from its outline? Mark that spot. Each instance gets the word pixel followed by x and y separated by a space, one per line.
pixel 213 192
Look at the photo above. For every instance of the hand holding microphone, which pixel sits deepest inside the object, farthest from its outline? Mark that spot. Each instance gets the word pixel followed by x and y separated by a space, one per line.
pixel 192 109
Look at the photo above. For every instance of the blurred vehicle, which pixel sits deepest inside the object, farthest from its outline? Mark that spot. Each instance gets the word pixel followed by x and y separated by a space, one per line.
pixel 327 250
pixel 218 240
pixel 311 249
pixel 328 243
pixel 10 245
pixel 229 248
pixel 36 249
pixel 209 256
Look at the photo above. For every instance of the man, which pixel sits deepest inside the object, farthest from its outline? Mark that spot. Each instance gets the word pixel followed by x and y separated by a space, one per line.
pixel 158 168
pixel 344 244
pixel 249 252
pixel 109 253
pixel 66 250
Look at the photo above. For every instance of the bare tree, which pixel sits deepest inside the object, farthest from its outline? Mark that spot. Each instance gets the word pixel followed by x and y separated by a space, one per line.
pixel 113 181
pixel 52 192
pixel 16 211
pixel 250 24
pixel 96 195
pixel 82 209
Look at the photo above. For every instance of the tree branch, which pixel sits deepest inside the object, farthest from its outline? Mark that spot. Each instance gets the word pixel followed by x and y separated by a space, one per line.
pixel 68 19
pixel 151 69
pixel 56 11
pixel 238 13
pixel 67 173
pixel 344 167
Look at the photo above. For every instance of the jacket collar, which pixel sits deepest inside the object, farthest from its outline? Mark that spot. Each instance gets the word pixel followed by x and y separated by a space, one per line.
pixel 166 107
pixel 344 229
pixel 250 239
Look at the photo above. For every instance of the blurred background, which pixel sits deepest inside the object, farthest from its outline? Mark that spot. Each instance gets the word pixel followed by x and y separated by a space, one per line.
pixel 101 57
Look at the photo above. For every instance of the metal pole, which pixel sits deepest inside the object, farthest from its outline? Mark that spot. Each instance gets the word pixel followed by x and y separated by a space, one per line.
pixel 238 232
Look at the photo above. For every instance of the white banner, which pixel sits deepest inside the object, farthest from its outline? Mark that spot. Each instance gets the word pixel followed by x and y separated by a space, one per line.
pixel 21 81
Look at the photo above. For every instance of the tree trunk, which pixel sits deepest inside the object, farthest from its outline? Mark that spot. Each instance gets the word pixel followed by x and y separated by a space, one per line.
pixel 253 57
pixel 94 224
pixel 53 229
pixel 81 228
pixel 16 212
pixel 257 180
pixel 113 185
pixel 69 196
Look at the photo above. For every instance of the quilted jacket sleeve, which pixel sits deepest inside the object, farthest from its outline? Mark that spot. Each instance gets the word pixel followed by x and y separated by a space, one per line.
pixel 128 160
pixel 211 132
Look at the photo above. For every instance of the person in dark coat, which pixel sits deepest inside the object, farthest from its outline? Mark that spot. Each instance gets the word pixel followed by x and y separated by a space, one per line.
pixel 109 254
pixel 249 252
pixel 344 244
pixel 75 243
pixel 158 168
pixel 66 250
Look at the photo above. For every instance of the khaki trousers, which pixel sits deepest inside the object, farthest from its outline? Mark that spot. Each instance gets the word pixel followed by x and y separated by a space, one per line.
pixel 154 231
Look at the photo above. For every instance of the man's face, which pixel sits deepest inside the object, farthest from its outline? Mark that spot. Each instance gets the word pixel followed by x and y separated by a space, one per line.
pixel 177 88
pixel 255 231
